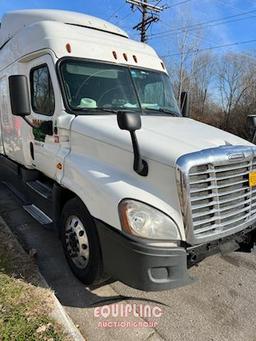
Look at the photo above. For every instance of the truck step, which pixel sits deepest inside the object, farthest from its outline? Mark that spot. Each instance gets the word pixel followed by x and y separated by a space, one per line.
pixel 37 214
pixel 40 188
pixel 29 174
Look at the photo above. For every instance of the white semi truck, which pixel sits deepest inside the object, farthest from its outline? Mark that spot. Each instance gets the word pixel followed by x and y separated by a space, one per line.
pixel 93 141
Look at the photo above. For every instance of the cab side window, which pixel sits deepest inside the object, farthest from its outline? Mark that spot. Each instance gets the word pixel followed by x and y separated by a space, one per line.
pixel 42 95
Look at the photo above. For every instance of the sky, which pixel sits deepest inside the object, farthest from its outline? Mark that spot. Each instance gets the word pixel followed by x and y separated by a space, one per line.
pixel 240 25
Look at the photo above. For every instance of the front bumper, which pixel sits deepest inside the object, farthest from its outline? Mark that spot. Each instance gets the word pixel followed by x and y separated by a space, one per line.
pixel 139 265
pixel 153 268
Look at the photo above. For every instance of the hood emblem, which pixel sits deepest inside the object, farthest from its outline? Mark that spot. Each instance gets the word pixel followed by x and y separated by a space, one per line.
pixel 235 157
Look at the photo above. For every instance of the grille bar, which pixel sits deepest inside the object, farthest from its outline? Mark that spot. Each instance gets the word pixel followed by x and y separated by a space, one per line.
pixel 212 203
pixel 223 216
pixel 224 209
pixel 217 186
pixel 215 226
pixel 220 170
pixel 219 179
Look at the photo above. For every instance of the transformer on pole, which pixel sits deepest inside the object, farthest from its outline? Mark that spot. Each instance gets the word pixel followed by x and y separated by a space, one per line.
pixel 150 14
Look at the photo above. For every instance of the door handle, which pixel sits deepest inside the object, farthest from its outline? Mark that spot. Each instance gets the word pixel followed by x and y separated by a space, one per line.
pixel 32 153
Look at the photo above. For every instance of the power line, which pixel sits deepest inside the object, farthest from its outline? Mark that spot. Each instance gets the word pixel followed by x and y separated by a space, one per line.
pixel 194 29
pixel 158 2
pixel 122 19
pixel 115 12
pixel 209 23
pixel 225 3
pixel 179 3
pixel 218 46
pixel 214 42
pixel 212 48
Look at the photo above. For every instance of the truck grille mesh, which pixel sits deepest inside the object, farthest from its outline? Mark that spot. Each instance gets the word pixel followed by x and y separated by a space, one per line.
pixel 221 196
pixel 218 195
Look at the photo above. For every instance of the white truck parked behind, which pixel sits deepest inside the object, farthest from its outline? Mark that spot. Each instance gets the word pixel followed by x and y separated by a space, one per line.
pixel 94 142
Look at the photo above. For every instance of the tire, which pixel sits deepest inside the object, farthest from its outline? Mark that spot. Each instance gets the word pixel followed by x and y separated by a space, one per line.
pixel 80 243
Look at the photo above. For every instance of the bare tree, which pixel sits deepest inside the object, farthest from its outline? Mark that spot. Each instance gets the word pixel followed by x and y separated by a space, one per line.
pixel 235 78
pixel 185 43
pixel 191 69
pixel 221 87
pixel 187 48
pixel 200 80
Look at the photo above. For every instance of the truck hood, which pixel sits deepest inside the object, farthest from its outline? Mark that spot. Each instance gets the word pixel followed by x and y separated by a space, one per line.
pixel 162 139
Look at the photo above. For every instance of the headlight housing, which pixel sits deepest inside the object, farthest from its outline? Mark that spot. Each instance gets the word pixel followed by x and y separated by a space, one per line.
pixel 145 221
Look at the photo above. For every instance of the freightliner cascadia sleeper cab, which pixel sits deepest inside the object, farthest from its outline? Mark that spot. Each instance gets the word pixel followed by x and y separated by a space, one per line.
pixel 92 137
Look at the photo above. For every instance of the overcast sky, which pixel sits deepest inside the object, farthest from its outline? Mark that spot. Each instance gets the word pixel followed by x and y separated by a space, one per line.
pixel 241 27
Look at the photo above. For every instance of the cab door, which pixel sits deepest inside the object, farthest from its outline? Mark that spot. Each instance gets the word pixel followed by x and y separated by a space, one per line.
pixel 44 91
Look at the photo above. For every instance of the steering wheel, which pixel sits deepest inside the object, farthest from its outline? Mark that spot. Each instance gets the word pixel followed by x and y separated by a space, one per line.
pixel 106 93
pixel 98 72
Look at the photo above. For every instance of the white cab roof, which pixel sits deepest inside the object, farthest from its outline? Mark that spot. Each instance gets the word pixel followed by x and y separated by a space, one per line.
pixel 13 22
pixel 28 33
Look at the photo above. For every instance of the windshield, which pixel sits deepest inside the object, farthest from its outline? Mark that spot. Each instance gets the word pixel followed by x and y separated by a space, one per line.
pixel 95 86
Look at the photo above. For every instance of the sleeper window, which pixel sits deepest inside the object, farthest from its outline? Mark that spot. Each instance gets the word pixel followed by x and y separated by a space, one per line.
pixel 42 94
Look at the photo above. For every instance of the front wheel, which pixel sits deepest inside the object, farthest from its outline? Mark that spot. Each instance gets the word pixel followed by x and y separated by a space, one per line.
pixel 80 242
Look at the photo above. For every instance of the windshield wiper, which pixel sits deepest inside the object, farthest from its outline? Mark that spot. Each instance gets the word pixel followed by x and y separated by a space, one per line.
pixel 108 110
pixel 91 110
pixel 163 111
pixel 114 111
pixel 117 110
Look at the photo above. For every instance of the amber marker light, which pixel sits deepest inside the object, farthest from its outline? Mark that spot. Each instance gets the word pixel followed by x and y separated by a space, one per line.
pixel 59 166
pixel 125 56
pixel 68 48
pixel 123 207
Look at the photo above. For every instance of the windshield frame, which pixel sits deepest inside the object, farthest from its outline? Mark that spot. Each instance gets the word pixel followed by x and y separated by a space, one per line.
pixel 90 112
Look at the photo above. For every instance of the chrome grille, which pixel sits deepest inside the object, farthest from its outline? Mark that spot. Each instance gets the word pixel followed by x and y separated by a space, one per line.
pixel 215 194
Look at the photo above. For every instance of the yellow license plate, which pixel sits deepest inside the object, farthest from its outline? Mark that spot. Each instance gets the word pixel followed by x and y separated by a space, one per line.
pixel 252 179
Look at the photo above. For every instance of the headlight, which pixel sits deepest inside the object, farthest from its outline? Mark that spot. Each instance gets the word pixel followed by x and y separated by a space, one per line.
pixel 145 221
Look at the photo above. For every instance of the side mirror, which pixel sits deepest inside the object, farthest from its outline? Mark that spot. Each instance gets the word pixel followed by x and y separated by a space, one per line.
pixel 251 124
pixel 251 121
pixel 131 121
pixel 19 95
pixel 184 104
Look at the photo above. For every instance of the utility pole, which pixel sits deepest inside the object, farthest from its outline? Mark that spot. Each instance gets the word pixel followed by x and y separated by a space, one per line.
pixel 150 15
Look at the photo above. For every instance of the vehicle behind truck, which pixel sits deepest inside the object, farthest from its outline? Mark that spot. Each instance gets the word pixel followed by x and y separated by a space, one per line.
pixel 94 143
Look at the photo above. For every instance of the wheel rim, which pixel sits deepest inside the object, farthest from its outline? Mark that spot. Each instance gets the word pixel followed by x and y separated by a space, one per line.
pixel 77 242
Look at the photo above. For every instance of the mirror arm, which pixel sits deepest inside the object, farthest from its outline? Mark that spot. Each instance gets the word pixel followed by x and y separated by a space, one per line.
pixel 28 122
pixel 140 166
pixel 254 137
pixel 184 104
pixel 35 127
